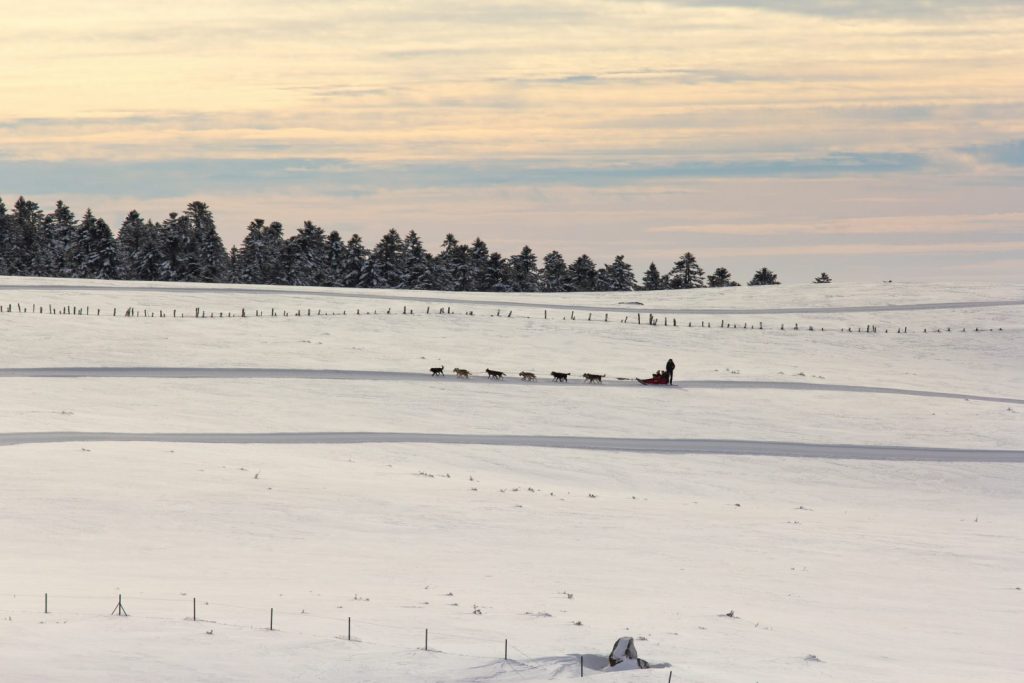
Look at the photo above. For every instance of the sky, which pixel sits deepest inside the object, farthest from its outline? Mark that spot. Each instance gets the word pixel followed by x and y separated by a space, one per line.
pixel 873 139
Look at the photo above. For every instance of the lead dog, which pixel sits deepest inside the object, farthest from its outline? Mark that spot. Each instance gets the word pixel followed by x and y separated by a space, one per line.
pixel 590 377
pixel 528 376
pixel 435 372
pixel 560 376
pixel 495 374
pixel 462 373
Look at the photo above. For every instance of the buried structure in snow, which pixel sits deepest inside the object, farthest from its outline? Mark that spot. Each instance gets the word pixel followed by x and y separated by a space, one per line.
pixel 623 656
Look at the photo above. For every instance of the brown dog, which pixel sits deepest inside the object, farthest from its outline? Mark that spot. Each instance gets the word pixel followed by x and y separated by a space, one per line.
pixel 560 376
pixel 528 376
pixel 462 373
pixel 590 377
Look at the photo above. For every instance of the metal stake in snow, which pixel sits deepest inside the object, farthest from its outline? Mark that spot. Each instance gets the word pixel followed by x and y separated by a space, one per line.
pixel 426 639
pixel 119 610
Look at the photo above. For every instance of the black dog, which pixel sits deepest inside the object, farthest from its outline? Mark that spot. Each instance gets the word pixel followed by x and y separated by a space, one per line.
pixel 560 376
pixel 437 371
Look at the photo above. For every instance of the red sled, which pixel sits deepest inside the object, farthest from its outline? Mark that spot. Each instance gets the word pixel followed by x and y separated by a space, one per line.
pixel 657 379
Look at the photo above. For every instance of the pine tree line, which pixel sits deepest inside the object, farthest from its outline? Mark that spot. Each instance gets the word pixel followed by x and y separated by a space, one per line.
pixel 187 248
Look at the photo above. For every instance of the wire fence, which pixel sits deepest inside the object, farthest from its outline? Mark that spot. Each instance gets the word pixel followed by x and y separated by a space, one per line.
pixel 650 320
pixel 480 645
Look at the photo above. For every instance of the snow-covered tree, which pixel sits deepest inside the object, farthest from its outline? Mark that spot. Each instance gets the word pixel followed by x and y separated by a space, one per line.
pixel 495 275
pixel 445 264
pixel 582 275
pixel 460 271
pixel 478 255
pixel 137 249
pixel 618 276
pixel 58 233
pixel 306 256
pixel 764 277
pixel 336 258
pixel 209 259
pixel 174 249
pixel 652 278
pixel 721 278
pixel 386 262
pixel 523 271
pixel 5 236
pixel 555 274
pixel 355 262
pixel 261 259
pixel 418 269
pixel 25 230
pixel 685 273
pixel 92 252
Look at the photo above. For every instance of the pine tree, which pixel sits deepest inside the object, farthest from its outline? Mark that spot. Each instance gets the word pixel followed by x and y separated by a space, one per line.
pixel 478 255
pixel 764 277
pixel 417 271
pixel 721 278
pixel 174 249
pixel 618 276
pixel 685 273
pixel 337 257
pixel 582 275
pixel 459 271
pixel 386 262
pixel 208 260
pixel 444 264
pixel 58 233
pixel 306 256
pixel 555 274
pixel 5 237
pixel 92 252
pixel 823 279
pixel 652 278
pixel 495 276
pixel 25 226
pixel 260 261
pixel 523 274
pixel 355 262
pixel 137 249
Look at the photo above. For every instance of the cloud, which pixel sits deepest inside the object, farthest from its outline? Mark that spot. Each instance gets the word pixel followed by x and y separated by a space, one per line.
pixel 1004 153
pixel 871 248
pixel 912 9
pixel 932 224
pixel 190 175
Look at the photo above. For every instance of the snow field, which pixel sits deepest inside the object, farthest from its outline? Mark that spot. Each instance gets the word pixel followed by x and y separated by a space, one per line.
pixel 884 570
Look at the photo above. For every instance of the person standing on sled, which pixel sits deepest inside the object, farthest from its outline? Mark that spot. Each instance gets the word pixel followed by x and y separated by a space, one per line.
pixel 670 368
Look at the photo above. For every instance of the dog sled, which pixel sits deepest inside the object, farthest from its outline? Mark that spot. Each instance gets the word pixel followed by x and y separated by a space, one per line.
pixel 657 378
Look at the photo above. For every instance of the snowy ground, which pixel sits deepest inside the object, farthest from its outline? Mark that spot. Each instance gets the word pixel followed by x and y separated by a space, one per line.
pixel 851 496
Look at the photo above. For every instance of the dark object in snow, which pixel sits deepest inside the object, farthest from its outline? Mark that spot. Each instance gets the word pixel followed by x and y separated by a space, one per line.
pixel 811 658
pixel 624 650
pixel 731 614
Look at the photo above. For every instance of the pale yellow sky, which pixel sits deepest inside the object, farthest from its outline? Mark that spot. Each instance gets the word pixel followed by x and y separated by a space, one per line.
pixel 629 117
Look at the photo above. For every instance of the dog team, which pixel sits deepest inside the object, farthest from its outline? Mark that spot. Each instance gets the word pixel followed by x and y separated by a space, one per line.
pixel 524 375
pixel 660 376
